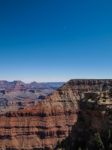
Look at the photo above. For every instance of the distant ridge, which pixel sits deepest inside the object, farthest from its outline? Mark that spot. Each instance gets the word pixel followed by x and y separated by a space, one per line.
pixel 20 85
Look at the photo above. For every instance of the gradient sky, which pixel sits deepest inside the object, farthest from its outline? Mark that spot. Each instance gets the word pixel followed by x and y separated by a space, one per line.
pixel 55 40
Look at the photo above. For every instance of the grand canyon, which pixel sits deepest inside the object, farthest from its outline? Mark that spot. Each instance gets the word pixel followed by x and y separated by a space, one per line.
pixel 73 115
pixel 55 74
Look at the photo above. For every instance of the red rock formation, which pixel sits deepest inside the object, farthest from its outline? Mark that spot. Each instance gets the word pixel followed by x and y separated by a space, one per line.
pixel 50 120
pixel 41 126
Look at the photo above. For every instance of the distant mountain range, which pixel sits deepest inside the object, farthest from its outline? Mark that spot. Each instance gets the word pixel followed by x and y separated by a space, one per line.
pixel 18 95
pixel 21 86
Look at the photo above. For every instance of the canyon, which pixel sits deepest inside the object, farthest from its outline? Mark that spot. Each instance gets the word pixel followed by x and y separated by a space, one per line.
pixel 56 121
pixel 17 95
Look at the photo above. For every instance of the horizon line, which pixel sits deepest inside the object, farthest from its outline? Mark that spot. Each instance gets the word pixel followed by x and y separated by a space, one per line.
pixel 57 81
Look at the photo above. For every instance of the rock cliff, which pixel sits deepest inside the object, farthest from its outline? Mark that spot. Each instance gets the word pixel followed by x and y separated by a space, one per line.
pixel 51 120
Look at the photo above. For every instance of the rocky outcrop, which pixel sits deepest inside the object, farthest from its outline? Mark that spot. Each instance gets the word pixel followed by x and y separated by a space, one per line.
pixel 51 120
pixel 93 129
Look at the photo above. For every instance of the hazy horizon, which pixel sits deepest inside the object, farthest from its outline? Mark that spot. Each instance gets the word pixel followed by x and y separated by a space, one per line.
pixel 48 41
pixel 42 81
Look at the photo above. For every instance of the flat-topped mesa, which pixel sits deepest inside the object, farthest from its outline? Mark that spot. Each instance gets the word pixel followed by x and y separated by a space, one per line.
pixel 90 82
pixel 50 120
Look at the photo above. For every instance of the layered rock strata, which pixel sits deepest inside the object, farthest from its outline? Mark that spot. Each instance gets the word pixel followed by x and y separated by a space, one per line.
pixel 51 120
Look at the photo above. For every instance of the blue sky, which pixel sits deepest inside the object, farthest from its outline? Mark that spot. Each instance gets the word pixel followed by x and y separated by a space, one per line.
pixel 55 40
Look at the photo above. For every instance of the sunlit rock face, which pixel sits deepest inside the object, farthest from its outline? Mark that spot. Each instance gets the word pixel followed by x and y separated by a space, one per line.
pixel 51 120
